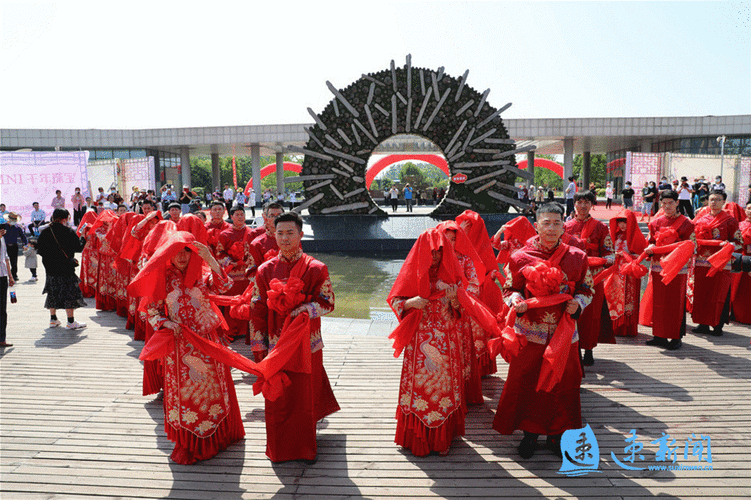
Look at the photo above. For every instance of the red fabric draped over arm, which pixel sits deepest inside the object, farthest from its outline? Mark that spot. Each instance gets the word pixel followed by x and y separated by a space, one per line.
pixel 291 353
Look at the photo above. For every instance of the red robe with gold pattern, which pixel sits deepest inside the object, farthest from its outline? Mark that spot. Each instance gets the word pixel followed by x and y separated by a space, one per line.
pixel 711 294
pixel 264 247
pixel 667 303
pixel 594 323
pixel 742 293
pixel 521 405
pixel 233 254
pixel 201 414
pixel 107 274
pixel 213 231
pixel 291 419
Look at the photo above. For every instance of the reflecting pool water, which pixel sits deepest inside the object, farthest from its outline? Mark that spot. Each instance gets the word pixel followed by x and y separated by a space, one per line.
pixel 362 283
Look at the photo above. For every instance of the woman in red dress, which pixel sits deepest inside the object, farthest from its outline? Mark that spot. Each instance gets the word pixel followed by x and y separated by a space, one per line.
pixel 430 411
pixel 623 300
pixel 201 414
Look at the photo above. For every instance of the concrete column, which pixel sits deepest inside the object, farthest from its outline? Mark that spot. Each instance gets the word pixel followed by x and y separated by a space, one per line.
pixel 568 159
pixel 531 165
pixel 185 165
pixel 280 172
pixel 255 163
pixel 586 168
pixel 215 174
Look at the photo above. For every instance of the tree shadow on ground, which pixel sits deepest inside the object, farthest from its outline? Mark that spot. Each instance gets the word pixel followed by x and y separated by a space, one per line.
pixel 621 376
pixel 219 476
pixel 329 477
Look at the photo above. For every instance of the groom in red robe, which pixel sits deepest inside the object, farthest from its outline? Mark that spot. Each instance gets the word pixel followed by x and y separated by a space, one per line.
pixel 291 418
pixel 544 267
pixel 594 323
pixel 666 305
pixel 712 293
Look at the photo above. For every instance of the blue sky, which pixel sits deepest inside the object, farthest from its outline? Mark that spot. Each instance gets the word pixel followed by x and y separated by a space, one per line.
pixel 79 64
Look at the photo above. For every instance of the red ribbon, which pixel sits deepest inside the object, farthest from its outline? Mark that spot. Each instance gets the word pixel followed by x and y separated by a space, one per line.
pixel 291 353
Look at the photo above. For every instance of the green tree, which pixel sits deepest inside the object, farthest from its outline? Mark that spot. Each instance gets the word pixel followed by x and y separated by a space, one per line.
pixel 597 171
pixel 411 174
pixel 269 182
pixel 200 172
pixel 544 176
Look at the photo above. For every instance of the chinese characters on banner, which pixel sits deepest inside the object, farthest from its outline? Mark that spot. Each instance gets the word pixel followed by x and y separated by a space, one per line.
pixel 26 177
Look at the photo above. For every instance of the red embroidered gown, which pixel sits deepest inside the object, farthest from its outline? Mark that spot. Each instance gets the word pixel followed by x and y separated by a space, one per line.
pixel 201 414
pixel 291 419
pixel 472 336
pixel 431 411
pixel 107 274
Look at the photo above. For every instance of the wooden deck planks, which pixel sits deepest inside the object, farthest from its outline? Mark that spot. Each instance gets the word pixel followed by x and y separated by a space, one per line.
pixel 73 423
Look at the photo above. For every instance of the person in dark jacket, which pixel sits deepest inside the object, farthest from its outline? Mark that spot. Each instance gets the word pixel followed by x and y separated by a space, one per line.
pixel 57 245
pixel 13 233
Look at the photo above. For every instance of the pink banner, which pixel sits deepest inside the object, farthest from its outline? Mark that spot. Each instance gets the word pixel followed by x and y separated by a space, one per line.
pixel 641 168
pixel 26 177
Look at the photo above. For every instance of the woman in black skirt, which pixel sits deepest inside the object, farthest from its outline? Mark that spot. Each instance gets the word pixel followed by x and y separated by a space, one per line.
pixel 57 245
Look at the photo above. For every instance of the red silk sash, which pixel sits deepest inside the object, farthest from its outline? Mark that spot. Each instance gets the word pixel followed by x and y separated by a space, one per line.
pixel 291 353
pixel 720 258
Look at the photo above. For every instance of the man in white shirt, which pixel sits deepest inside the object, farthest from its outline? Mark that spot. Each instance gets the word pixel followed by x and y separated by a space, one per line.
pixel 569 193
pixel 685 191
pixel 229 196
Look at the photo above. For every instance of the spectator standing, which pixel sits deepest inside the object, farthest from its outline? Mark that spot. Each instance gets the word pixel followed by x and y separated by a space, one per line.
pixel 435 196
pixel 408 197
pixel 386 197
pixel 609 195
pixel 12 235
pixel 58 201
pixel 252 202
pixel 569 195
pixel 240 198
pixel 628 196
pixel 185 198
pixel 3 213
pixel 57 245
pixel 79 206
pixel 6 280
pixel 551 194
pixel 394 197
pixel 685 192
pixel 664 185
pixel 30 252
pixel 718 184
pixel 292 201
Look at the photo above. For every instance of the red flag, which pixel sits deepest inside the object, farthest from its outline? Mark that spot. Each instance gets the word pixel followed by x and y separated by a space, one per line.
pixel 234 171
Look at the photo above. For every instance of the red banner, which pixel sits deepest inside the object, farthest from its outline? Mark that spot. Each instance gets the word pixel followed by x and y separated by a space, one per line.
pixel 234 171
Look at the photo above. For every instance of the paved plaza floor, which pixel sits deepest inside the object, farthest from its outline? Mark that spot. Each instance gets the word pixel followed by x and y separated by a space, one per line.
pixel 73 423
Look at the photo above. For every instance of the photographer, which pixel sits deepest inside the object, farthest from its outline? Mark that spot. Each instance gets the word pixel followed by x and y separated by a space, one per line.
pixel 685 191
